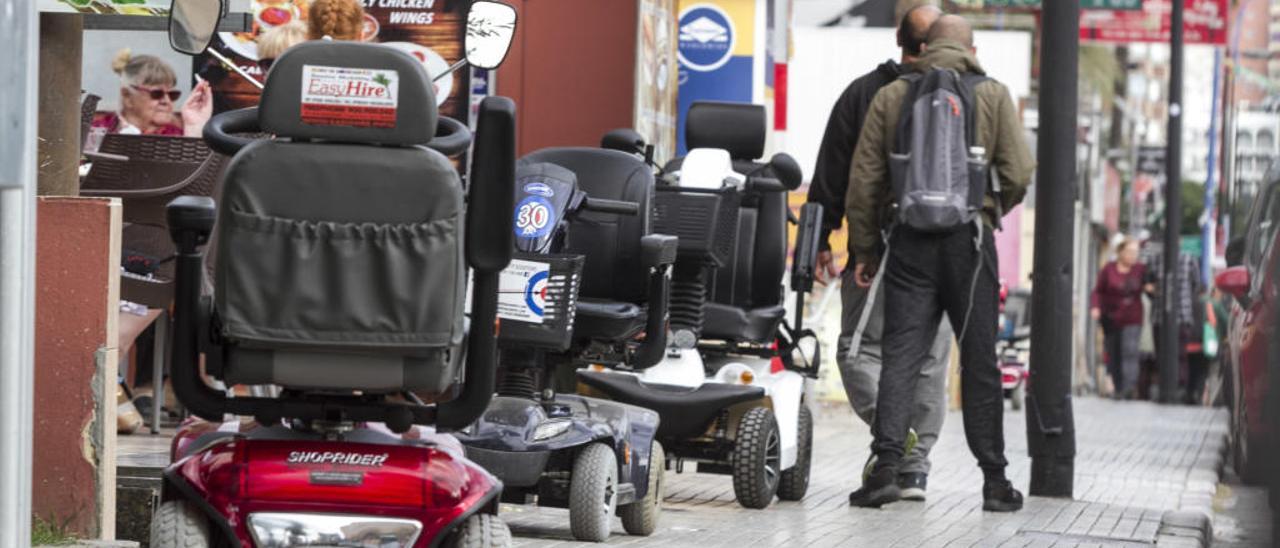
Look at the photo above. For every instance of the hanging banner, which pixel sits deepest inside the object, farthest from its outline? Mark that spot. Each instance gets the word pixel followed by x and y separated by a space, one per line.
pixel 1204 22
pixel 656 77
pixel 717 49
pixel 431 31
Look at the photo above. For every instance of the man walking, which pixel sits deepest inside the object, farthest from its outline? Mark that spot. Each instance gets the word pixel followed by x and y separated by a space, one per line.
pixel 862 313
pixel 938 261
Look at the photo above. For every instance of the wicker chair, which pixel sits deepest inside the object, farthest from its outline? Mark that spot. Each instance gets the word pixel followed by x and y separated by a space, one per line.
pixel 158 170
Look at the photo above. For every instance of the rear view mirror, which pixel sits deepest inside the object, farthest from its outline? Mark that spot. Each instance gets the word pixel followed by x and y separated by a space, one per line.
pixel 1234 281
pixel 192 24
pixel 490 28
pixel 786 170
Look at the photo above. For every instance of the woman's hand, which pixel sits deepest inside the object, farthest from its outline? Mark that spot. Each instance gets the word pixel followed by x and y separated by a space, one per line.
pixel 1149 288
pixel 197 110
pixel 1097 314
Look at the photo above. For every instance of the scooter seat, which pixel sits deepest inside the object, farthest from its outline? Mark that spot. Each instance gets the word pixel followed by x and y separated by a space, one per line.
pixel 732 323
pixel 608 320
pixel 685 412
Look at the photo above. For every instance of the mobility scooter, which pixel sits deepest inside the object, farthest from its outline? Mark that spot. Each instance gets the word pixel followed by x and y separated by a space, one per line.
pixel 732 388
pixel 587 281
pixel 341 282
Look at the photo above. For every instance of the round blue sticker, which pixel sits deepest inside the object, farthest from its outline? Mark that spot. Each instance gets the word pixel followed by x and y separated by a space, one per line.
pixel 533 217
pixel 535 292
pixel 706 38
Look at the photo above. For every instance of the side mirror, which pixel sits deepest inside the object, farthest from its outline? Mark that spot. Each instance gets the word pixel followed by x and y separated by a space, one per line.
pixel 192 24
pixel 490 29
pixel 1234 281
pixel 786 170
pixel 1235 251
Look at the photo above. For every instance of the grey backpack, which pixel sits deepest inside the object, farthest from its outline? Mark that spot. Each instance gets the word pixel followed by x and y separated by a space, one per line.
pixel 939 175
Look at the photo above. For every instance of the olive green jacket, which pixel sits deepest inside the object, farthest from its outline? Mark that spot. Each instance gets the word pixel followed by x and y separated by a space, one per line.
pixel 999 131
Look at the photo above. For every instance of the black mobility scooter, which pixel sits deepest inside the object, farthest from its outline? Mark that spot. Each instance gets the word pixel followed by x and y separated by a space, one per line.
pixel 589 285
pixel 732 390
pixel 341 279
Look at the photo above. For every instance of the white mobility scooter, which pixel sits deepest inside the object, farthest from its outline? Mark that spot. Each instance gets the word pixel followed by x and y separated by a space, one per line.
pixel 731 391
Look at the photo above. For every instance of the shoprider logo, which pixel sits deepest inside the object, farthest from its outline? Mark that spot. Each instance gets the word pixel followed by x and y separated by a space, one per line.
pixel 706 37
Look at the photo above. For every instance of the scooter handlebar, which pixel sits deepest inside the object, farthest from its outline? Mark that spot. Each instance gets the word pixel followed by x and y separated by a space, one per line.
pixel 219 130
pixel 765 184
pixel 617 207
pixel 452 137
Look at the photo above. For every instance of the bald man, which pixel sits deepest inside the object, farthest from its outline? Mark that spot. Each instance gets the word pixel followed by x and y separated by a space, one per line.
pixel 863 309
pixel 927 274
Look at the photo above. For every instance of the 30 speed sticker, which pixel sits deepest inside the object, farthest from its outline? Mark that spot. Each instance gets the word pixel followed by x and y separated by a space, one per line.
pixel 533 217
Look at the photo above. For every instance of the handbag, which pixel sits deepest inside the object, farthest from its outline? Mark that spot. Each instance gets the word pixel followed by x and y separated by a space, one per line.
pixel 1210 338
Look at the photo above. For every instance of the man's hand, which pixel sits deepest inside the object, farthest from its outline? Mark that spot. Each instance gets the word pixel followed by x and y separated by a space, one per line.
pixel 826 271
pixel 864 274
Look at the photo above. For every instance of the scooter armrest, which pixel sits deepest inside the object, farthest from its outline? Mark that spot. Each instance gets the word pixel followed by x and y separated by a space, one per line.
pixel 658 250
pixel 191 220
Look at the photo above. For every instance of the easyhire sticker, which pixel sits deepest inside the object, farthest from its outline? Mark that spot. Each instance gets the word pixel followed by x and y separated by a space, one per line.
pixel 533 218
pixel 346 96
pixel 522 291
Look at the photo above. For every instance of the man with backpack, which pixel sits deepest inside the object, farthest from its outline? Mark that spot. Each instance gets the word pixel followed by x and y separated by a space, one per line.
pixel 858 348
pixel 940 158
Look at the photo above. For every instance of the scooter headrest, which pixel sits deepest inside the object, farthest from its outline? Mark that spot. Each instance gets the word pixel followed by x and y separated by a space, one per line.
pixel 350 92
pixel 739 128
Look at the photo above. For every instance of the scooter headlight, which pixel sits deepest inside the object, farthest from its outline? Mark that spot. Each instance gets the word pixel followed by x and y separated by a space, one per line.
pixel 550 429
pixel 280 530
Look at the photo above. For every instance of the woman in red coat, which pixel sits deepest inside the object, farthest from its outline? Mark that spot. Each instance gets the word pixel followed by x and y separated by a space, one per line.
pixel 1117 304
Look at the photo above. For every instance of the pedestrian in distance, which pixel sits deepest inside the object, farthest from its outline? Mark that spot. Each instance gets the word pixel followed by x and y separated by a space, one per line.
pixel 858 352
pixel 1116 303
pixel 940 158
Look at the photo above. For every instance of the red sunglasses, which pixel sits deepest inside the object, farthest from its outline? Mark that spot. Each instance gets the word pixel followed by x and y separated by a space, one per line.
pixel 158 94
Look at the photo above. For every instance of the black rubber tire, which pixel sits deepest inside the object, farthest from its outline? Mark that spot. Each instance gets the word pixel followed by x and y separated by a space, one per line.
pixel 481 531
pixel 178 524
pixel 640 518
pixel 757 458
pixel 593 493
pixel 795 480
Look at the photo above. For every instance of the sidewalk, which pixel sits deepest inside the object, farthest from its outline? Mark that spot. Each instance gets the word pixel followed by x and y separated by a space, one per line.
pixel 1136 462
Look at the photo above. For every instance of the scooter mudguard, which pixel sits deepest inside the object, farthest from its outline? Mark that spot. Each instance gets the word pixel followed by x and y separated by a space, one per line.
pixel 516 436
pixel 368 474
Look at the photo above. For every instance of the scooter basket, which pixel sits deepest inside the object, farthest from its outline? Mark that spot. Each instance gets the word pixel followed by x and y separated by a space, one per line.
pixel 537 300
pixel 705 220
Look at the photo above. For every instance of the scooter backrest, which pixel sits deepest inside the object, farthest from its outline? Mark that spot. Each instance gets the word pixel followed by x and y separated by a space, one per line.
pixel 739 128
pixel 340 242
pixel 611 243
pixel 349 92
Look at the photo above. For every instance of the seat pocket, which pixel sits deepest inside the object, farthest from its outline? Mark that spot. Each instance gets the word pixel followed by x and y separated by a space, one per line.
pixel 340 285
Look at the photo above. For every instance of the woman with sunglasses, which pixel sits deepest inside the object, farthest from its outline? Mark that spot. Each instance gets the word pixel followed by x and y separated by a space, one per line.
pixel 147 97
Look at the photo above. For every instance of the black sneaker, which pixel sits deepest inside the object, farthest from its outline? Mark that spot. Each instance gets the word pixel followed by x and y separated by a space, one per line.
pixel 913 485
pixel 1000 496
pixel 879 489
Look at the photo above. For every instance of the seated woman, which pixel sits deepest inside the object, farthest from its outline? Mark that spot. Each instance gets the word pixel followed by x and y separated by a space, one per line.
pixel 147 98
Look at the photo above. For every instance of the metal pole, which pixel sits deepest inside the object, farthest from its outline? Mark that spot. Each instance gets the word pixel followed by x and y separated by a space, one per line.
pixel 1209 229
pixel 18 78
pixel 1050 426
pixel 1171 285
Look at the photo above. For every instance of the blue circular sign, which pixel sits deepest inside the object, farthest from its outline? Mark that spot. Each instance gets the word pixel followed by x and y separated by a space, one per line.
pixel 706 37
pixel 533 217
pixel 535 292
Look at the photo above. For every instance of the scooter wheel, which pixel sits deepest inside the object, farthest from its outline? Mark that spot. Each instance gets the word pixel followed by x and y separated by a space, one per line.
pixel 178 524
pixel 481 531
pixel 795 481
pixel 593 493
pixel 757 459
pixel 640 518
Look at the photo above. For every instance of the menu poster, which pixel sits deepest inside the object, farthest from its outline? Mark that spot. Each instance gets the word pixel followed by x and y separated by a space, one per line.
pixel 432 31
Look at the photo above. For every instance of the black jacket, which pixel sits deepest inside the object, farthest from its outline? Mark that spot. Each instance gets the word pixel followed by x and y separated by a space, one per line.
pixel 831 175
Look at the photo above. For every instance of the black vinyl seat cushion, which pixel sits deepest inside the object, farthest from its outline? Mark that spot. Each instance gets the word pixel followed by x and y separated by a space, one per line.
pixel 731 323
pixel 686 412
pixel 608 320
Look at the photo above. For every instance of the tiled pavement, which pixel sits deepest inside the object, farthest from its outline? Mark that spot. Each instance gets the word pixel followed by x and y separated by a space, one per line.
pixel 1135 462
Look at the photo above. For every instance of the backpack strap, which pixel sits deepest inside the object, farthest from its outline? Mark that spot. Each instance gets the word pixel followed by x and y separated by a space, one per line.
pixel 902 137
pixel 968 84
